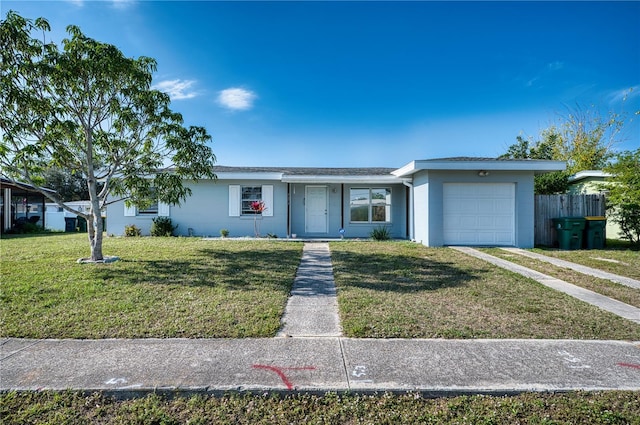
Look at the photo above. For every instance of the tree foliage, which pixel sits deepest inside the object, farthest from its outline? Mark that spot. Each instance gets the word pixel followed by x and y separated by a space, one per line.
pixel 584 139
pixel 89 110
pixel 623 200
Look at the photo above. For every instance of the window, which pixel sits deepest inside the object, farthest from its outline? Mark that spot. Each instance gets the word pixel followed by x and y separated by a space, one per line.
pixel 370 205
pixel 250 194
pixel 152 209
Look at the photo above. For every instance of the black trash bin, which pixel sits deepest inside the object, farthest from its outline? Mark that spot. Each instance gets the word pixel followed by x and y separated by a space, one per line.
pixel 595 232
pixel 570 231
pixel 69 224
pixel 82 224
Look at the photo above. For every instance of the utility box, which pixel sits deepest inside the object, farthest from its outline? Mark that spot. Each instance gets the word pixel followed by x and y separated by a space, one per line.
pixel 595 232
pixel 570 230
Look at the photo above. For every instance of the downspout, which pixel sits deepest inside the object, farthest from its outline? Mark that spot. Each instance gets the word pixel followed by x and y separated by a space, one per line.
pixel 288 210
pixel 411 231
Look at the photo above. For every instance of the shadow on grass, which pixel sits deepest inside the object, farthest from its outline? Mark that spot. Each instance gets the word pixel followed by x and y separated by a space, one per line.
pixel 398 272
pixel 208 267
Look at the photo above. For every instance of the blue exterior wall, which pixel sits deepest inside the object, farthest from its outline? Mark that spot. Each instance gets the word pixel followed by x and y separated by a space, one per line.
pixel 428 202
pixel 206 211
pixel 339 214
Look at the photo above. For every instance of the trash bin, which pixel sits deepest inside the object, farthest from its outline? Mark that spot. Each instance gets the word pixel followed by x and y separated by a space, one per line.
pixel 570 231
pixel 595 232
pixel 69 224
pixel 82 225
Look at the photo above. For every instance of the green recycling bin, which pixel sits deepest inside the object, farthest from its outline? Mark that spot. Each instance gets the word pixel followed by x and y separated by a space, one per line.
pixel 570 231
pixel 82 225
pixel 595 232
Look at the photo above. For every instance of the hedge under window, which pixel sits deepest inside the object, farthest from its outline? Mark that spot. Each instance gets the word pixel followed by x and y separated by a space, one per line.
pixel 370 205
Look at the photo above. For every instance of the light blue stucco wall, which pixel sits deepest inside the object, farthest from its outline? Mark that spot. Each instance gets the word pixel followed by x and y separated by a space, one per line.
pixel 206 211
pixel 339 214
pixel 428 202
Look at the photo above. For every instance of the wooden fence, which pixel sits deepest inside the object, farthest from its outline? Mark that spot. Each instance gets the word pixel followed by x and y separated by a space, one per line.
pixel 548 207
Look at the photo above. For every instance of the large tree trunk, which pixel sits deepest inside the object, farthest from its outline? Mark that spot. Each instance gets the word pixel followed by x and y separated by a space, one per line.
pixel 95 230
pixel 94 221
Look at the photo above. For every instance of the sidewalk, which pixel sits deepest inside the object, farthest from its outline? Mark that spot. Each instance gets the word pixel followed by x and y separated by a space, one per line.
pixel 323 361
pixel 435 367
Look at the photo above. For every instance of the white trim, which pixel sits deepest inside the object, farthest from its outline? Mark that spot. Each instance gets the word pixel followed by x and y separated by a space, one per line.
pixel 377 179
pixel 249 176
pixel 163 210
pixel 267 198
pixel 234 200
pixel 130 211
pixel 490 164
pixel 580 175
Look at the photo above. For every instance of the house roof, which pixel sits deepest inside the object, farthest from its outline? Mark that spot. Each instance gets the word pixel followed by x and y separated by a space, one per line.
pixel 480 163
pixel 5 182
pixel 309 174
pixel 585 174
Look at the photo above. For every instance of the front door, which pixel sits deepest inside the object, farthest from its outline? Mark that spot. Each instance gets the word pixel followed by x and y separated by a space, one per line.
pixel 316 209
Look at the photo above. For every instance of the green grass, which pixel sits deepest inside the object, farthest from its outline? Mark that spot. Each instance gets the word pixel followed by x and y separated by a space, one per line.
pixel 624 262
pixel 605 287
pixel 161 287
pixel 405 290
pixel 611 407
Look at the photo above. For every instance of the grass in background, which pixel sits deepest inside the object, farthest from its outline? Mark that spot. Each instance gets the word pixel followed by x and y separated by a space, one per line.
pixel 617 258
pixel 605 287
pixel 405 290
pixel 609 407
pixel 161 287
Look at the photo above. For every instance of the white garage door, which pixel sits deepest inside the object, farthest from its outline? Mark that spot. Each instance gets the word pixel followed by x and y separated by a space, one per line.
pixel 479 214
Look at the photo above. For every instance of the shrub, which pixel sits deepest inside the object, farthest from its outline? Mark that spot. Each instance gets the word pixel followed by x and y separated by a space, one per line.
pixel 132 230
pixel 162 226
pixel 224 233
pixel 380 234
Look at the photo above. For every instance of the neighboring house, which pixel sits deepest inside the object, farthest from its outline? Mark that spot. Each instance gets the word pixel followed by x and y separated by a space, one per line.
pixel 56 215
pixel 20 203
pixel 588 182
pixel 450 201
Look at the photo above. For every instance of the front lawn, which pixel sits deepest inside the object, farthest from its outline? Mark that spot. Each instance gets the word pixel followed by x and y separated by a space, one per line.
pixel 609 407
pixel 161 287
pixel 616 259
pixel 605 287
pixel 405 290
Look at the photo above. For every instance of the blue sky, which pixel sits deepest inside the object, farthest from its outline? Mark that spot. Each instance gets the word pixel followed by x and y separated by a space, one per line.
pixel 371 83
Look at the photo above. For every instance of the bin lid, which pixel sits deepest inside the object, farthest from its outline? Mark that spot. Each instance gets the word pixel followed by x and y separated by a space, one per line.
pixel 595 217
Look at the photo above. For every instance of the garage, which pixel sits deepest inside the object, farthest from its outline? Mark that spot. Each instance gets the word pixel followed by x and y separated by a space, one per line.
pixel 479 214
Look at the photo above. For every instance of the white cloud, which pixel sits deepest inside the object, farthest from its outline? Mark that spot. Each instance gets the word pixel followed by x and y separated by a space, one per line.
pixel 78 3
pixel 122 4
pixel 626 94
pixel 176 89
pixel 236 98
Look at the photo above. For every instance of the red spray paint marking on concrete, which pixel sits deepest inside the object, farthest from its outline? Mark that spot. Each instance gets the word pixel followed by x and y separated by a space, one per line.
pixel 634 366
pixel 280 373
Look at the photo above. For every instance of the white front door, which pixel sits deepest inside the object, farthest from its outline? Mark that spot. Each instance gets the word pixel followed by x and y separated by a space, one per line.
pixel 316 209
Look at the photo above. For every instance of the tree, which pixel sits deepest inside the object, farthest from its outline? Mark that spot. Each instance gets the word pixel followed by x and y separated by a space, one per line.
pixel 583 139
pixel 548 183
pixel 69 186
pixel 89 110
pixel 623 200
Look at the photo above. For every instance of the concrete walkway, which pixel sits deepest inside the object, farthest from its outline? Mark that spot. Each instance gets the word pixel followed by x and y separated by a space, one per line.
pixel 623 280
pixel 436 367
pixel 312 308
pixel 324 362
pixel 605 303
